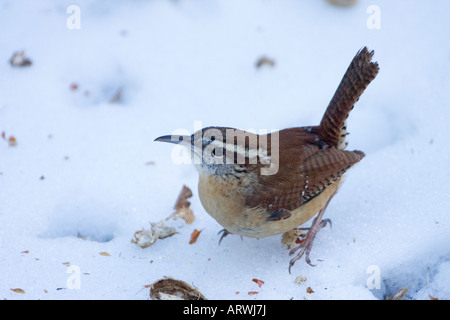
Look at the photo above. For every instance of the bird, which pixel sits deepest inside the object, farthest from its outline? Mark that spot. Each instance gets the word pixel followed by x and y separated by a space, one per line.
pixel 261 185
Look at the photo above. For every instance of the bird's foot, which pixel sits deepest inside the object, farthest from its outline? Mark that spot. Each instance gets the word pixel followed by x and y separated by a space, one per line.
pixel 305 245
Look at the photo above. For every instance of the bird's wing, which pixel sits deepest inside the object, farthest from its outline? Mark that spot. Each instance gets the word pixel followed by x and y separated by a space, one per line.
pixel 299 181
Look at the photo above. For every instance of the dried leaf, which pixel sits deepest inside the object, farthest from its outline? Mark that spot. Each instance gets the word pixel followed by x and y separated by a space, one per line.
pixel 171 289
pixel 12 141
pixel 18 290
pixel 3 135
pixel 258 282
pixel 265 61
pixel 182 201
pixel 400 294
pixel 26 251
pixel 251 293
pixel 433 298
pixel 309 290
pixel 106 254
pixel 182 206
pixel 194 236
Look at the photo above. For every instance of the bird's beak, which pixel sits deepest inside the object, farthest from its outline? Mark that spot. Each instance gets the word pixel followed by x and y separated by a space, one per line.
pixel 185 141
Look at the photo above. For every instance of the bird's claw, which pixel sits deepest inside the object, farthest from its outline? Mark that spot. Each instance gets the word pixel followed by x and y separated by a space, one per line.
pixel 224 233
pixel 306 245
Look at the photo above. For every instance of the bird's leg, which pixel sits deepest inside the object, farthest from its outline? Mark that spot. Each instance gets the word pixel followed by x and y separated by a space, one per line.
pixel 306 244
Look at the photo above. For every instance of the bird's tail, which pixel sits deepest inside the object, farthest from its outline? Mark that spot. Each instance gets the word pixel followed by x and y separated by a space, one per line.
pixel 356 79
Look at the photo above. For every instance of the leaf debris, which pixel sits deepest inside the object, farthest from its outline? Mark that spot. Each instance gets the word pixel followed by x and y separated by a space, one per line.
pixel 309 290
pixel 171 289
pixel 258 282
pixel 300 280
pixel 265 61
pixel 182 205
pixel 18 59
pixel 160 230
pixel 194 236
pixel 12 142
pixel 400 294
pixel 18 290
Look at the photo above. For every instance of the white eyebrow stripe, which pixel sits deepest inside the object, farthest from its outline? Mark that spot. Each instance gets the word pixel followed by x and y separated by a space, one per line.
pixel 243 152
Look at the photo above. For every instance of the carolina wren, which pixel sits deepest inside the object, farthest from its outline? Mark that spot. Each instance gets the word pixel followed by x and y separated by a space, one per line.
pixel 264 185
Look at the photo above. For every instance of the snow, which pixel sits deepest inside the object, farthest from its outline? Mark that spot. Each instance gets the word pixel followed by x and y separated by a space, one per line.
pixel 87 168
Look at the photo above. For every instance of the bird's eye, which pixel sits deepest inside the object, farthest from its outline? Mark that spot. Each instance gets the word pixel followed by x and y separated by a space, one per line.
pixel 213 152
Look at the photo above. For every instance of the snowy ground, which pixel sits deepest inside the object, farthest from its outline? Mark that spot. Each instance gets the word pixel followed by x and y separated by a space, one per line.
pixel 84 166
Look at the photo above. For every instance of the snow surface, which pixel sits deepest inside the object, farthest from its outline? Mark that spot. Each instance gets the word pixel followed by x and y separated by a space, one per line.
pixel 85 166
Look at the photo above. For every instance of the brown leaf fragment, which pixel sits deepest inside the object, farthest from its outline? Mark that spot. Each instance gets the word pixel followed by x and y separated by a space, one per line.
pixel 309 290
pixel 252 293
pixel 265 61
pixel 12 142
pixel 182 201
pixel 26 251
pixel 433 298
pixel 182 205
pixel 3 135
pixel 106 254
pixel 194 236
pixel 18 290
pixel 258 282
